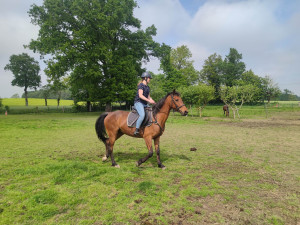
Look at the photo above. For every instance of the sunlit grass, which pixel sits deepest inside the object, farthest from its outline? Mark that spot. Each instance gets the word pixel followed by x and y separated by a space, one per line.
pixel 35 102
pixel 242 172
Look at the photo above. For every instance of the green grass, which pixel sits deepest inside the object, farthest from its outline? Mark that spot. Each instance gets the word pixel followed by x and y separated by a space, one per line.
pixel 34 102
pixel 16 106
pixel 243 172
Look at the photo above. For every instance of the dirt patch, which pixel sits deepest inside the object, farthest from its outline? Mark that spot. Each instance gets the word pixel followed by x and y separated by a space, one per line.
pixel 263 123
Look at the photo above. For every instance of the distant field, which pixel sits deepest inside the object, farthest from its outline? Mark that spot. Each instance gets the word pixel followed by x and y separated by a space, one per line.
pixel 17 106
pixel 34 102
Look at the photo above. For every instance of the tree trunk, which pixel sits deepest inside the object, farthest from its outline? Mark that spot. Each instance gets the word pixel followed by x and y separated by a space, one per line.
pixel 58 100
pixel 46 103
pixel 108 107
pixel 89 106
pixel 26 99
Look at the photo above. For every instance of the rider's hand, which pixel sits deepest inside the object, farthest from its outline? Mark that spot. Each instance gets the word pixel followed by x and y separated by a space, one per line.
pixel 151 101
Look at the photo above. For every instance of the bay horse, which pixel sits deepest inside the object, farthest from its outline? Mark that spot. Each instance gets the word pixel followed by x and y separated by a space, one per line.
pixel 111 126
pixel 226 109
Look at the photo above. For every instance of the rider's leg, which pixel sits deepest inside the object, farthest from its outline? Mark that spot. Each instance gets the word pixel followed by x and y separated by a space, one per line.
pixel 141 111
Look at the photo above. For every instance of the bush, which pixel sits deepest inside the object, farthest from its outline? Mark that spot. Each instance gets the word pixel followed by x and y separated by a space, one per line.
pixel 78 108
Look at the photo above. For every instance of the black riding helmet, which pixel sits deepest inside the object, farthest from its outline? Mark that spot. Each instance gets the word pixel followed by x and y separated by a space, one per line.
pixel 146 75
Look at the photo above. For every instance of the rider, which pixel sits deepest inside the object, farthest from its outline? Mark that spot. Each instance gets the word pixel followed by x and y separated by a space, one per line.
pixel 141 99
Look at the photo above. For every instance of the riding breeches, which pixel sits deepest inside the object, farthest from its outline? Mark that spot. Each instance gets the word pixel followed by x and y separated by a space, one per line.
pixel 140 108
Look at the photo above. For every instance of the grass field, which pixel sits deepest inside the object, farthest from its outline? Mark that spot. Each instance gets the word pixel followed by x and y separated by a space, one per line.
pixel 35 105
pixel 243 172
pixel 34 102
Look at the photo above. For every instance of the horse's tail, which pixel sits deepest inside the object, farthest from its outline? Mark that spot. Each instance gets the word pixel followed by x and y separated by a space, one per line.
pixel 100 128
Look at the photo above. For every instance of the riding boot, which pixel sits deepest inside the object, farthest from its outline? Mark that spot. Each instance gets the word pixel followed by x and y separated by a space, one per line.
pixel 136 132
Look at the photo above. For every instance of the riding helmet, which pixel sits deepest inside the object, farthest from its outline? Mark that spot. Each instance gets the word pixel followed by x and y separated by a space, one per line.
pixel 146 74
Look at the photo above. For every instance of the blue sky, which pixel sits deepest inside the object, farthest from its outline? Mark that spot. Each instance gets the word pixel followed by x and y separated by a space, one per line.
pixel 266 32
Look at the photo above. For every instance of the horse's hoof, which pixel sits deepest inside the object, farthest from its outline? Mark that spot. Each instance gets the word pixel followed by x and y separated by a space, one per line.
pixel 117 166
pixel 137 164
pixel 161 166
pixel 104 159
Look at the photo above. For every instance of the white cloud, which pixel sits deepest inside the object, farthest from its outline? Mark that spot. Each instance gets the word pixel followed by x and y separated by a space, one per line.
pixel 266 32
pixel 168 16
pixel 16 31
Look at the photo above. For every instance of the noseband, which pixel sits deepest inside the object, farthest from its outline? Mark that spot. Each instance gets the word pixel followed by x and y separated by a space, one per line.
pixel 177 107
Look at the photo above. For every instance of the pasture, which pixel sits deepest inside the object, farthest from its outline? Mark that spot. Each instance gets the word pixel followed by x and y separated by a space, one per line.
pixel 243 171
pixel 35 105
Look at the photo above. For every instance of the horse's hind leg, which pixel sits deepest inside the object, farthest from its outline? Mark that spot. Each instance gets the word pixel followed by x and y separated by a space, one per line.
pixel 110 148
pixel 106 156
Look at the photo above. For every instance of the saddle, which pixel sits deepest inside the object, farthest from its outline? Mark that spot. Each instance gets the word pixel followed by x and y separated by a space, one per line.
pixel 133 116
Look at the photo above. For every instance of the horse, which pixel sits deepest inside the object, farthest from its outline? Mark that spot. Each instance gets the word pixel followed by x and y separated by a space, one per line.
pixel 111 126
pixel 226 109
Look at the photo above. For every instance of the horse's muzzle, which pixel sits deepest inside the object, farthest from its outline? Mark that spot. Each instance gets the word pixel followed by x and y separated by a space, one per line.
pixel 185 113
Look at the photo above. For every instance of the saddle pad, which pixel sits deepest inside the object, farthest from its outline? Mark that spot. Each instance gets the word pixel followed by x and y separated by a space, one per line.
pixel 133 116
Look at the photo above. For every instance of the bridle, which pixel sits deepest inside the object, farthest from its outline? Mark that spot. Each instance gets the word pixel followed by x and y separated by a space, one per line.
pixel 178 110
pixel 177 107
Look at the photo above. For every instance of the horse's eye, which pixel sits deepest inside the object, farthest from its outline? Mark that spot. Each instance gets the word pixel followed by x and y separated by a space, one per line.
pixel 176 100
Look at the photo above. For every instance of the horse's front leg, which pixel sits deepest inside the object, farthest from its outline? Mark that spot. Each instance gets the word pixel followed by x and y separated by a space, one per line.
pixel 148 141
pixel 156 144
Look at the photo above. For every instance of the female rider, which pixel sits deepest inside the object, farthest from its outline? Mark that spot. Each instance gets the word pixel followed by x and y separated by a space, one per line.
pixel 141 99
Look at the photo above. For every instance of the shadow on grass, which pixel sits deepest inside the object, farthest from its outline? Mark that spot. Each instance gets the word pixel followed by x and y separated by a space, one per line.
pixel 120 157
pixel 128 156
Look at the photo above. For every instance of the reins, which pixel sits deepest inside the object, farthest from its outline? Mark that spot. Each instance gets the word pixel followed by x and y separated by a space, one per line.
pixel 177 108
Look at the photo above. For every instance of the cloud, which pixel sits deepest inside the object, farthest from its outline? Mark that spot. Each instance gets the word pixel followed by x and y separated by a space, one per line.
pixel 265 32
pixel 168 16
pixel 16 31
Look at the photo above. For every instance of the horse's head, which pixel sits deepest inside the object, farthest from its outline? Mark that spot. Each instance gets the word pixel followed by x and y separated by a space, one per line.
pixel 177 103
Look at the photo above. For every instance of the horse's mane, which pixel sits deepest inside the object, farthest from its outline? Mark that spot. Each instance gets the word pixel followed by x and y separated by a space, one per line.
pixel 157 107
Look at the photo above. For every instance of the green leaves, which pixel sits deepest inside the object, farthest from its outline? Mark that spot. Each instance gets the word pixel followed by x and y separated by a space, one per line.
pixel 25 69
pixel 234 95
pixel 199 95
pixel 26 72
pixel 99 44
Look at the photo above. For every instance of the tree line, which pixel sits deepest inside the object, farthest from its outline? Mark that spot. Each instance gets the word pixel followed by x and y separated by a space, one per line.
pixel 95 49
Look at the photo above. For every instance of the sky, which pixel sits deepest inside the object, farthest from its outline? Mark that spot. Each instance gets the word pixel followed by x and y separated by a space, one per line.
pixel 265 32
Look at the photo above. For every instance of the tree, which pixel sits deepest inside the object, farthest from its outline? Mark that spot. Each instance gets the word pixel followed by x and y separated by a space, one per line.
pixel 269 88
pixel 57 87
pixel 212 72
pixel 233 67
pixel 198 95
pixel 249 77
pixel 99 44
pixel 26 72
pixel 232 96
pixel 182 62
pixel 46 90
pixel 156 86
pixel 15 96
pixel 177 67
pixel 288 95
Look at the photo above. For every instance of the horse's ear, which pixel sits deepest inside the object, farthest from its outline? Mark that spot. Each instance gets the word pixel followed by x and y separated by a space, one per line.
pixel 174 91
